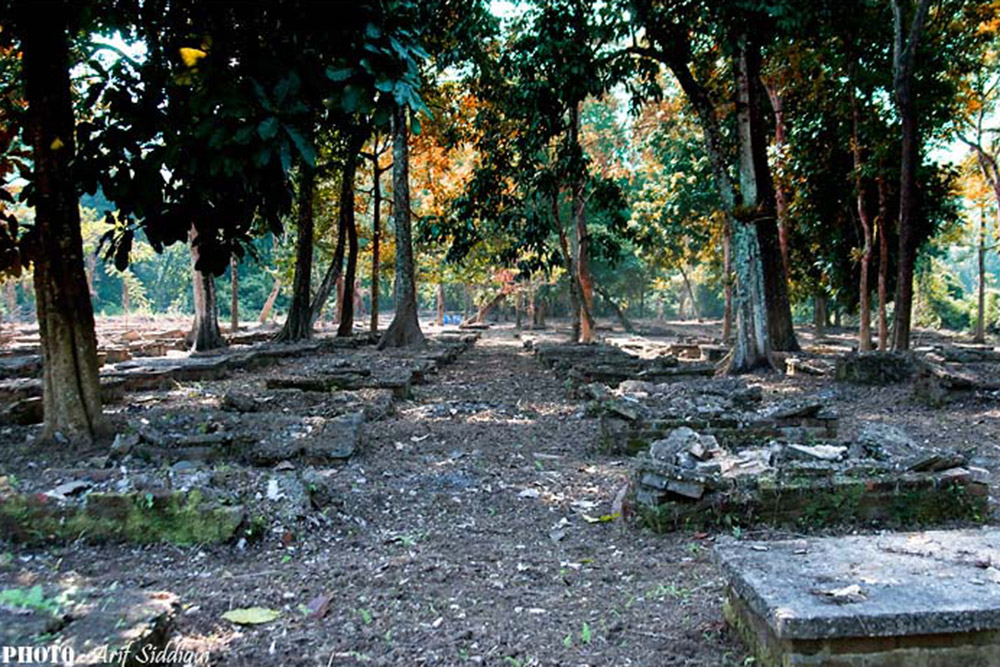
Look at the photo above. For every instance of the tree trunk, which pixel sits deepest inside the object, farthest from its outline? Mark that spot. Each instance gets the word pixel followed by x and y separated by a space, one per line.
pixel 234 306
pixel 883 265
pixel 864 290
pixel 904 55
pixel 781 334
pixel 440 304
pixel 265 312
pixel 346 306
pixel 727 285
pixel 752 347
pixel 334 272
pixel 11 294
pixel 376 239
pixel 298 324
pixel 583 239
pixel 690 291
pixel 404 331
pixel 981 306
pixel 619 311
pixel 819 314
pixel 205 334
pixel 574 278
pixel 777 315
pixel 780 196
pixel 71 395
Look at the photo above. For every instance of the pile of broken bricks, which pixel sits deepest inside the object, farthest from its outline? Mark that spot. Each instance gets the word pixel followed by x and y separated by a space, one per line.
pixel 689 479
pixel 638 413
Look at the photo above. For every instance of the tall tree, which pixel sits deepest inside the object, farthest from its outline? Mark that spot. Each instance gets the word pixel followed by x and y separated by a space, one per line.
pixel 905 42
pixel 70 390
pixel 404 330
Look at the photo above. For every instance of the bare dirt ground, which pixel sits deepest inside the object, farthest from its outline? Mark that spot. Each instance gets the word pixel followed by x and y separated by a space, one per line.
pixel 459 536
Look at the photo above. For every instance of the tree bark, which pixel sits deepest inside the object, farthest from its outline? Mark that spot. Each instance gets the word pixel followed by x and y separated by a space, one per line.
pixel 574 278
pixel 727 285
pixel 583 238
pixel 690 291
pixel 346 306
pixel 864 290
pixel 440 304
pixel 780 196
pixel 298 323
pixel 883 265
pixel 11 294
pixel 376 237
pixel 404 331
pixel 265 312
pixel 71 395
pixel 819 313
pixel 619 311
pixel 205 334
pixel 778 311
pixel 234 306
pixel 904 55
pixel 981 306
pixel 752 347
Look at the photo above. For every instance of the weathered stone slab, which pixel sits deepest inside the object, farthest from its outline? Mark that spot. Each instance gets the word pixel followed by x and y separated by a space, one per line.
pixel 929 599
pixel 20 366
pixel 313 439
pixel 877 368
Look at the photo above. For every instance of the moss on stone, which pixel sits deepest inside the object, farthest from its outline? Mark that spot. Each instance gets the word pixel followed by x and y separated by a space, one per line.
pixel 172 516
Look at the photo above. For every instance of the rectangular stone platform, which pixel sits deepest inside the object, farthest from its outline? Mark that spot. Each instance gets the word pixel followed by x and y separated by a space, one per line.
pixel 925 599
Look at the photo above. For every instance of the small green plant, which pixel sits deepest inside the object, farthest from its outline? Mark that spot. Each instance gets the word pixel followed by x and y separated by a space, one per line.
pixel 29 598
pixel 285 559
pixel 585 634
pixel 366 616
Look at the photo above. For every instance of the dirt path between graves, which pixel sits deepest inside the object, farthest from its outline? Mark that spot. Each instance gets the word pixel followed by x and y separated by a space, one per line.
pixel 459 537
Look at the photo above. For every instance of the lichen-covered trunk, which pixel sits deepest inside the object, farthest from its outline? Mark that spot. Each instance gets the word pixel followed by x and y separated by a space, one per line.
pixel 404 330
pixel 752 346
pixel 71 395
pixel 727 285
pixel 205 334
pixel 298 324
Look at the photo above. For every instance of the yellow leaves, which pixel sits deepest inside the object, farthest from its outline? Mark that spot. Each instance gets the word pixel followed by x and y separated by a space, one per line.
pixel 191 56
pixel 56 144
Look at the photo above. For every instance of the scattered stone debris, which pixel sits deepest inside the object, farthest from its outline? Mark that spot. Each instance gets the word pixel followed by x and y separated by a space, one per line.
pixel 638 413
pixel 929 599
pixel 221 460
pixel 937 385
pixel 688 479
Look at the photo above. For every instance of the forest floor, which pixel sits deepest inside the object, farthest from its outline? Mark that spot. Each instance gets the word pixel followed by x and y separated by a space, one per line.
pixel 459 537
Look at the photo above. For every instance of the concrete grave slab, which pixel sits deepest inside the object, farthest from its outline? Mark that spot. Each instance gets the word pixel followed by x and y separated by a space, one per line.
pixel 923 599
